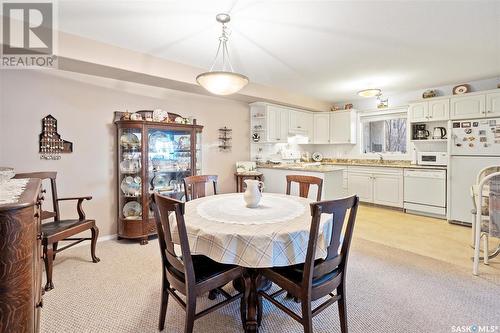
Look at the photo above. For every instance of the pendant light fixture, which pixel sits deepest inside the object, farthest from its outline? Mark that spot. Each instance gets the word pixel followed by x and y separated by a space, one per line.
pixel 370 92
pixel 224 81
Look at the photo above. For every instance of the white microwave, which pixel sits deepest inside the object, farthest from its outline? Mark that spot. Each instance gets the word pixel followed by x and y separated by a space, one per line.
pixel 432 158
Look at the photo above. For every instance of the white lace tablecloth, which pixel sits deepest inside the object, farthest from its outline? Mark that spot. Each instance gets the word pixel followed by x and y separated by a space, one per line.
pixel 274 234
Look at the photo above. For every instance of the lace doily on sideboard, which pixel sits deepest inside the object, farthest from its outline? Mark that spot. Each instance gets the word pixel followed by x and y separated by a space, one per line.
pixel 11 190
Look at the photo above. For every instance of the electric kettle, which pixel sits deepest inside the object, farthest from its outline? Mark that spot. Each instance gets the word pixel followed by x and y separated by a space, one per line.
pixel 439 133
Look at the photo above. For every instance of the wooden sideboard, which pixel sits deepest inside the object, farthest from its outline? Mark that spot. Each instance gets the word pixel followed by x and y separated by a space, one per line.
pixel 21 262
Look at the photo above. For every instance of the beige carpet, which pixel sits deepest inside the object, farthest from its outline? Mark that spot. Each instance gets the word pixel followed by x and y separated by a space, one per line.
pixel 389 290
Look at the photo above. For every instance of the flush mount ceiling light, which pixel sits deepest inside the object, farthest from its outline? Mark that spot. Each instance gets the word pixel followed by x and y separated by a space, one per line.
pixel 224 81
pixel 370 92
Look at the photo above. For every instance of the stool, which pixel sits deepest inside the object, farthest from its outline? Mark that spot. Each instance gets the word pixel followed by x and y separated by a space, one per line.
pixel 241 176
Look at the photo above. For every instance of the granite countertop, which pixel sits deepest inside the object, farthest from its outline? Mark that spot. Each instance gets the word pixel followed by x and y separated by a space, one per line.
pixel 386 164
pixel 312 167
pixel 340 164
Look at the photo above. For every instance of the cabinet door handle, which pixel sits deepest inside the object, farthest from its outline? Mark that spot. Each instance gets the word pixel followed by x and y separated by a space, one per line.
pixel 489 111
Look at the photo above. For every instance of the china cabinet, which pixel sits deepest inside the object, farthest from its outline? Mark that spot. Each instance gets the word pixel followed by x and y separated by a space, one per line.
pixel 152 157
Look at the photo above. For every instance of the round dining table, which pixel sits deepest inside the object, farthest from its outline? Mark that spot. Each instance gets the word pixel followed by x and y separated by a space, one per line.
pixel 275 233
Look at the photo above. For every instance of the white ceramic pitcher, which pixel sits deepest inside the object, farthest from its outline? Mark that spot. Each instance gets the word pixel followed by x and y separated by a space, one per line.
pixel 253 193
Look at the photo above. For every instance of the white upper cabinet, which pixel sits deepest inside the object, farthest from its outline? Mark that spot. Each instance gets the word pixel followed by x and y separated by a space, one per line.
pixel 301 122
pixel 321 127
pixel 439 109
pixel 277 124
pixel 294 118
pixel 419 111
pixel 343 127
pixel 493 104
pixel 464 107
pixel 432 110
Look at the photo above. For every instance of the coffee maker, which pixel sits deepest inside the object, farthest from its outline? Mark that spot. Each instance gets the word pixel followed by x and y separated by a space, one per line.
pixel 420 132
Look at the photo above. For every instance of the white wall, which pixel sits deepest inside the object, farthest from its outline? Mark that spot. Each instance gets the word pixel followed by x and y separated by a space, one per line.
pixel 83 106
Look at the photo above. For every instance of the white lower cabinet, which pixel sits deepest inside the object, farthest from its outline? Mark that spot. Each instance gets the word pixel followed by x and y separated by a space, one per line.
pixel 382 186
pixel 361 185
pixel 388 190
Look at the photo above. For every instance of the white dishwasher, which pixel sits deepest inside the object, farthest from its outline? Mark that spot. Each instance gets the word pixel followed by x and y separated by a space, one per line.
pixel 425 191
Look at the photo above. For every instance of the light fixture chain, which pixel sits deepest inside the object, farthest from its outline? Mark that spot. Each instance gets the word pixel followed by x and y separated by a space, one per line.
pixel 224 50
pixel 216 56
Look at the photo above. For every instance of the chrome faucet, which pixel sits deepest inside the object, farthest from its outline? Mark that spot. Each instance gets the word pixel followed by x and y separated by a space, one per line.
pixel 381 157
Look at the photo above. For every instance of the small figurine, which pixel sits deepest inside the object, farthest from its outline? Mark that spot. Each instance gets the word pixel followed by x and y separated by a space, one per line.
pixel 429 93
pixel 136 116
pixel 348 106
pixel 126 116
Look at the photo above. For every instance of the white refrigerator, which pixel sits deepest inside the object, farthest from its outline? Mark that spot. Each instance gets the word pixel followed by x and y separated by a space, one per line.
pixel 474 144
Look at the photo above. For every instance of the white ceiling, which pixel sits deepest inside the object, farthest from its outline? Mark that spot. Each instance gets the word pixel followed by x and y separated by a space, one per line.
pixel 325 49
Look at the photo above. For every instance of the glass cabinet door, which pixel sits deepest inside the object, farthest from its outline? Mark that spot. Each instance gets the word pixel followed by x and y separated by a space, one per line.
pixel 198 153
pixel 169 161
pixel 130 173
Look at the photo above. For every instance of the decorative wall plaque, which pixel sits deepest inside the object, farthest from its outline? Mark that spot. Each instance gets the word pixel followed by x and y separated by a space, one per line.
pixel 51 144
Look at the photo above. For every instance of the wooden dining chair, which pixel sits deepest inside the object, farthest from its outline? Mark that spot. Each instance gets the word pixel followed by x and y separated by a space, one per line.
pixel 194 186
pixel 62 230
pixel 305 183
pixel 316 279
pixel 190 275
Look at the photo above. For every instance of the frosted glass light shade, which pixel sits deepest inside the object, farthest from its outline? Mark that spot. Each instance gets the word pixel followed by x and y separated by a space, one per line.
pixel 222 83
pixel 369 92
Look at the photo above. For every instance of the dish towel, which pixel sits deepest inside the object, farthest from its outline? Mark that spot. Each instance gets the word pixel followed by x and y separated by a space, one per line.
pixel 494 225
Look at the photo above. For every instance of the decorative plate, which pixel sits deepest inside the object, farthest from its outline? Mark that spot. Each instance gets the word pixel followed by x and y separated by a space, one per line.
pixel 159 115
pixel 130 187
pixel 160 182
pixel 130 166
pixel 129 140
pixel 183 142
pixel 461 89
pixel 159 143
pixel 317 157
pixel 132 210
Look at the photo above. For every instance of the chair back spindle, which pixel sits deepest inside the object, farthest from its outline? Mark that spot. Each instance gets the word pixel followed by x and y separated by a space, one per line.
pixel 305 183
pixel 195 186
pixel 179 269
pixel 337 250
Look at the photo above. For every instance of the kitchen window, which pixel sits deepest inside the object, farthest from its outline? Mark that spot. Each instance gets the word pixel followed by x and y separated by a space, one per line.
pixel 385 133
